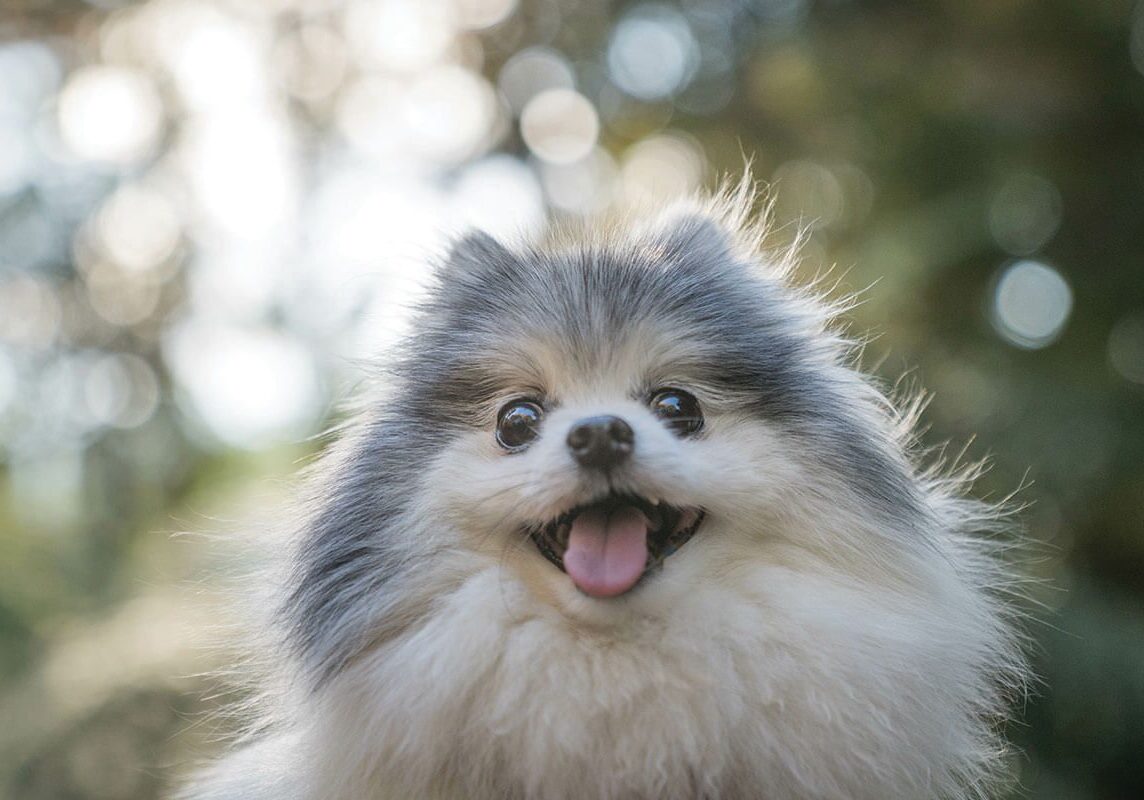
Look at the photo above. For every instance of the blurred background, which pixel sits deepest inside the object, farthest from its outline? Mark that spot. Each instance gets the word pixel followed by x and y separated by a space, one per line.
pixel 213 213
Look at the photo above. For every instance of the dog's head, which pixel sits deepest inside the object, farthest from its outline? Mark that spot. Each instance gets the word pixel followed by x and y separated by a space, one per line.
pixel 592 414
pixel 610 424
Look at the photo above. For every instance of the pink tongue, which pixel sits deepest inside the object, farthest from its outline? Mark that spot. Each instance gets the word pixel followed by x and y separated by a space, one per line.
pixel 607 553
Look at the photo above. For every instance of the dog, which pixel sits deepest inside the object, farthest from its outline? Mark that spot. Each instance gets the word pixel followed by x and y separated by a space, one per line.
pixel 628 522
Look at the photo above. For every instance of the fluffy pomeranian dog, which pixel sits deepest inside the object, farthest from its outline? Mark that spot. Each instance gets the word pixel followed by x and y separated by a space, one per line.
pixel 628 523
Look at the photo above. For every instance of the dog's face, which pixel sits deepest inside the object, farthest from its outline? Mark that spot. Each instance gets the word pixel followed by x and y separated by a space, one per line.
pixel 624 422
pixel 605 463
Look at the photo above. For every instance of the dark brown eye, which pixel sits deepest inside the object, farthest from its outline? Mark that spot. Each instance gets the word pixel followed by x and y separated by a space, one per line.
pixel 518 423
pixel 678 409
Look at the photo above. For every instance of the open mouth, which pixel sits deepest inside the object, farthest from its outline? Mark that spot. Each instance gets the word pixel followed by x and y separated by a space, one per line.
pixel 606 546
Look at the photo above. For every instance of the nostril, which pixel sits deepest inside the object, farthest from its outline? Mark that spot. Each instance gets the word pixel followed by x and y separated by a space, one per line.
pixel 600 442
pixel 621 432
pixel 580 437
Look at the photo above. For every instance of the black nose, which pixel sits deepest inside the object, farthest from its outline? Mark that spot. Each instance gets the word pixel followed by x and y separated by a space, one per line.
pixel 601 442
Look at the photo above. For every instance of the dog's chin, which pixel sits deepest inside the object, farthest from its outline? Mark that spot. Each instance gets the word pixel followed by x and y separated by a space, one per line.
pixel 611 545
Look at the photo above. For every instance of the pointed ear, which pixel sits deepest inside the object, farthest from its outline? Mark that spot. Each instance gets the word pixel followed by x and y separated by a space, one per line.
pixel 696 238
pixel 476 255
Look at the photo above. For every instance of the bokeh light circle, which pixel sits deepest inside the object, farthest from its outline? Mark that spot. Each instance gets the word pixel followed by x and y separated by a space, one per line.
pixel 501 196
pixel 251 386
pixel 1025 213
pixel 399 34
pixel 110 114
pixel 121 390
pixel 652 53
pixel 1126 348
pixel 138 227
pixel 449 113
pixel 476 14
pixel 661 167
pixel 1031 304
pixel 560 126
pixel 585 186
pixel 810 192
pixel 532 71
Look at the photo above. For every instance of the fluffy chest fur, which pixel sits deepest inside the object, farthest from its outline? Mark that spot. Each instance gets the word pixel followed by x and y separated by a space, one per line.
pixel 773 682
